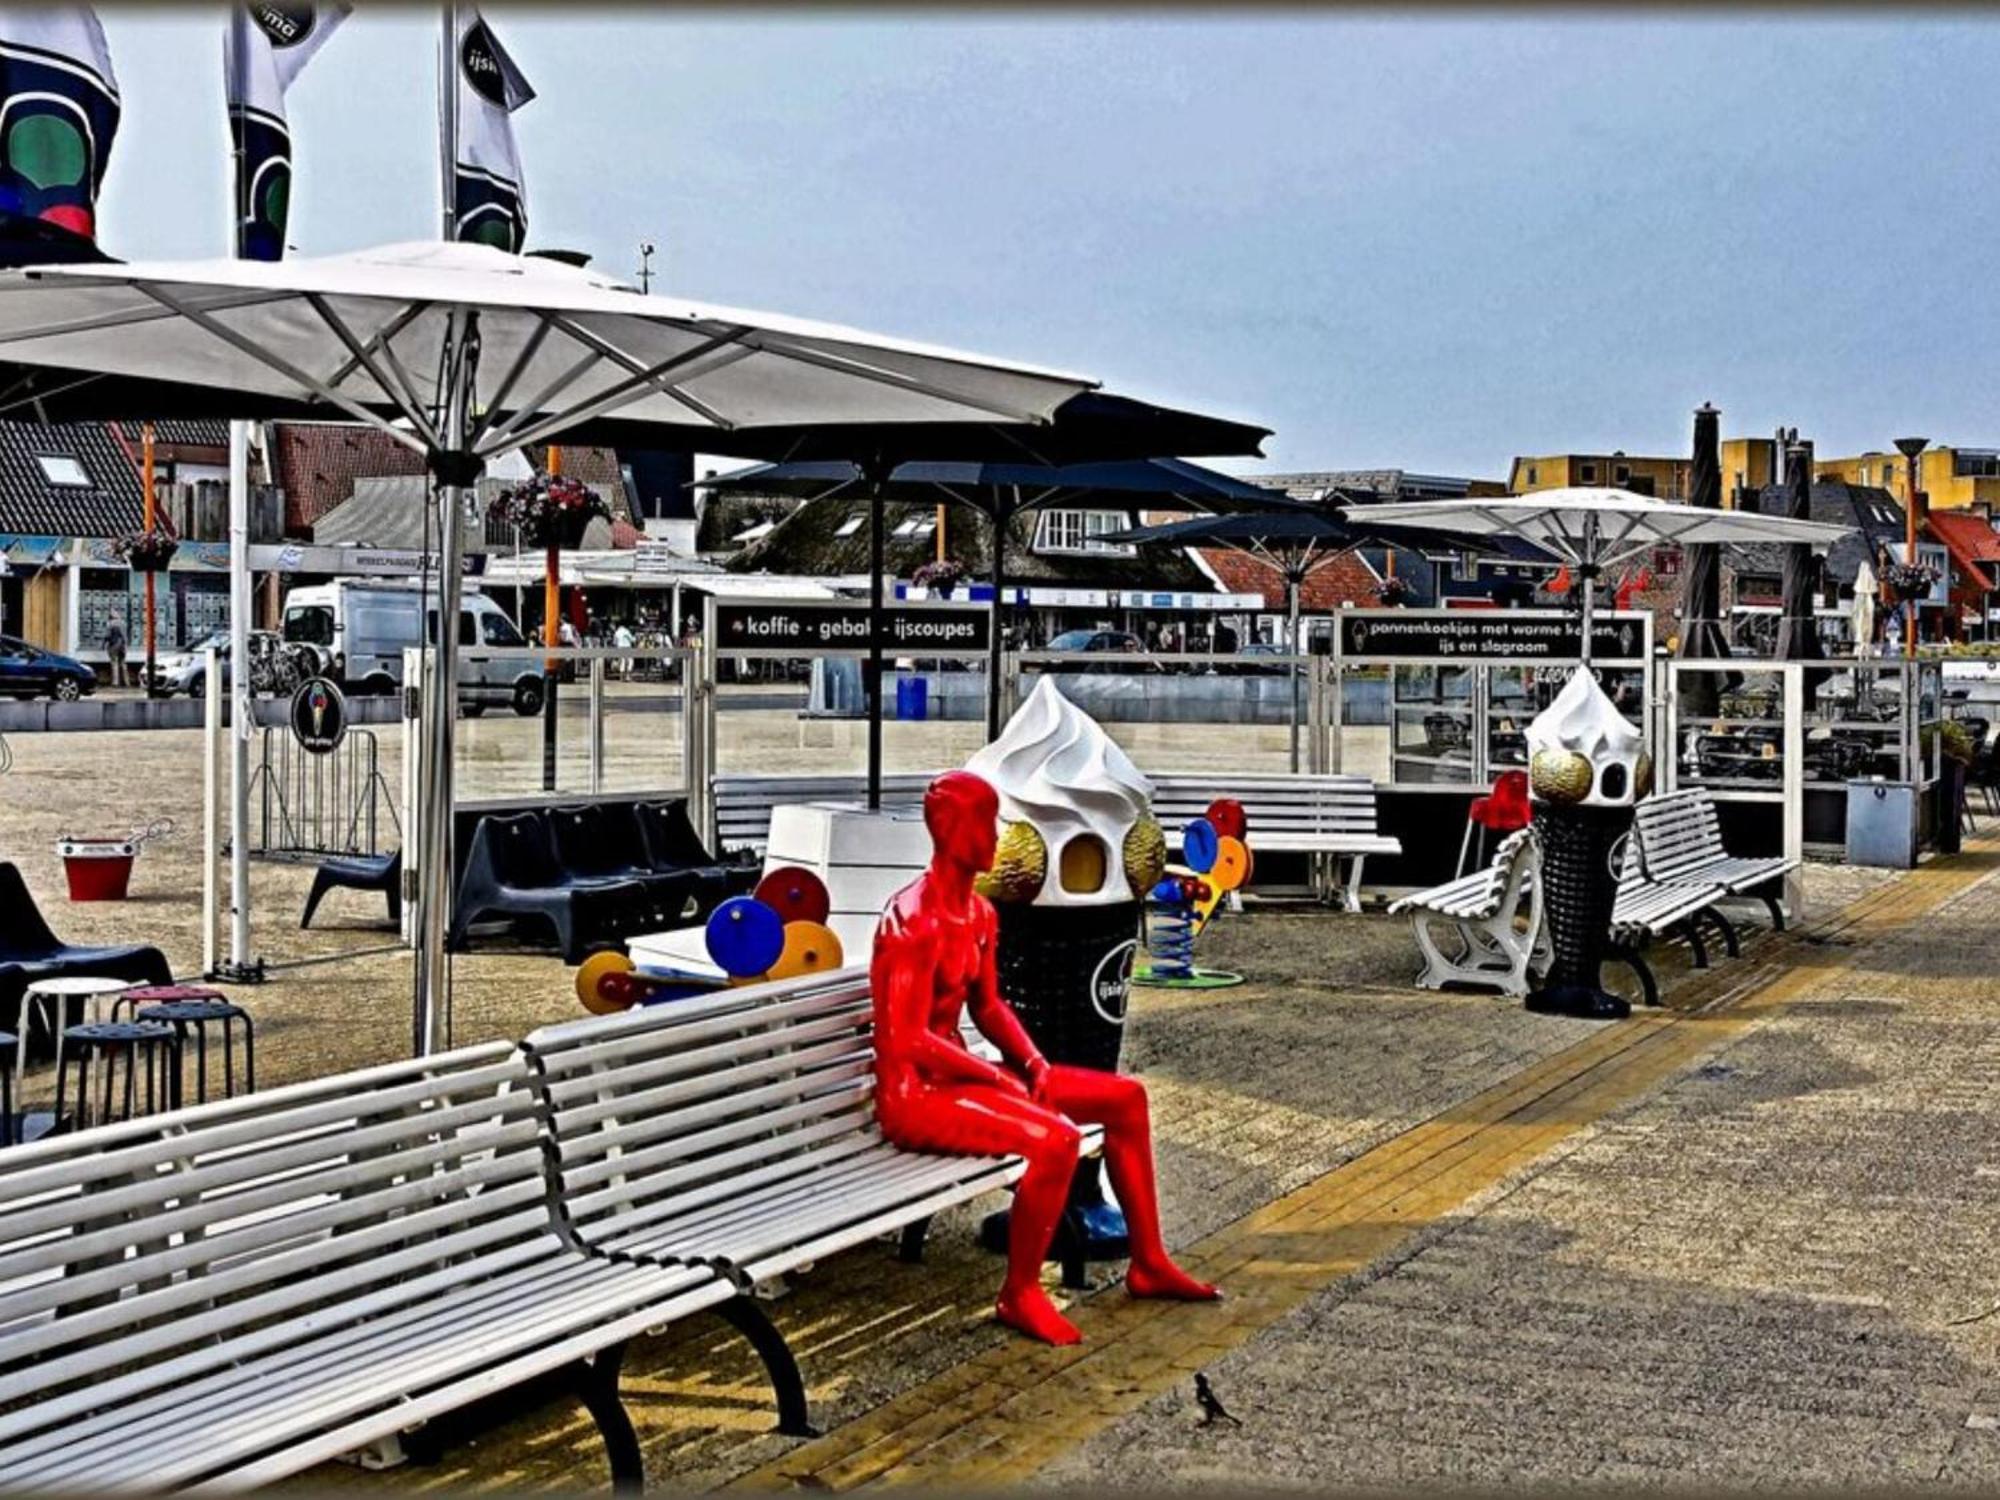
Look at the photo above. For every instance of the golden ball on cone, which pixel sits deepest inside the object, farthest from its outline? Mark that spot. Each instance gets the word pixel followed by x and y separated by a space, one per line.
pixel 1560 776
pixel 1145 856
pixel 1020 865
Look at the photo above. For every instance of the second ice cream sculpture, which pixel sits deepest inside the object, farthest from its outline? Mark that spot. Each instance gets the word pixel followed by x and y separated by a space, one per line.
pixel 1079 848
pixel 1587 766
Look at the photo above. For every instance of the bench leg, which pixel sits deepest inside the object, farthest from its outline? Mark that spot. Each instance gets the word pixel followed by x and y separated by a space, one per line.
pixel 1777 912
pixel 748 1319
pixel 1636 962
pixel 596 1385
pixel 910 1250
pixel 1691 930
pixel 1353 894
pixel 1728 930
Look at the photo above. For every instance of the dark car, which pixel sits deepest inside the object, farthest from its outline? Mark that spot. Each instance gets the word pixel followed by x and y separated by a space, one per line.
pixel 29 671
pixel 1097 640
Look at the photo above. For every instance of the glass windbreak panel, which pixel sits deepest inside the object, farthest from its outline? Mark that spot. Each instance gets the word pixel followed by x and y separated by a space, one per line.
pixel 1515 694
pixel 1236 719
pixel 1732 728
pixel 1363 724
pixel 1431 725
pixel 1854 722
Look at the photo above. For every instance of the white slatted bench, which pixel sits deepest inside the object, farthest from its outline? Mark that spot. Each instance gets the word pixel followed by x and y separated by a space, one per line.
pixel 1680 843
pixel 1494 915
pixel 1645 911
pixel 1334 816
pixel 737 1131
pixel 225 1295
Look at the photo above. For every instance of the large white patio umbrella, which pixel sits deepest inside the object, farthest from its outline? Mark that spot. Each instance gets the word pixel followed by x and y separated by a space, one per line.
pixel 463 352
pixel 1595 528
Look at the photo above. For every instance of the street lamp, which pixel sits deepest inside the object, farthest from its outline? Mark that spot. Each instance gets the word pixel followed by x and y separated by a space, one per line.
pixel 1910 447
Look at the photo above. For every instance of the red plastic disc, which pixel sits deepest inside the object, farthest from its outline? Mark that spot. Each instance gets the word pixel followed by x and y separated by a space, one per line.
pixel 1227 814
pixel 796 895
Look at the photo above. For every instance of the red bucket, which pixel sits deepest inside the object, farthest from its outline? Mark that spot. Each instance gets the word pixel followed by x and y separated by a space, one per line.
pixel 98 869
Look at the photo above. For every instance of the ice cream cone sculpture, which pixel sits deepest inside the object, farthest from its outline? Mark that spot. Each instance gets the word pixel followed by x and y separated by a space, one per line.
pixel 1183 901
pixel 779 932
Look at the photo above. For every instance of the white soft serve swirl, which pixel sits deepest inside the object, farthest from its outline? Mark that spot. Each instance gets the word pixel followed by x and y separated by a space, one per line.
pixel 1057 771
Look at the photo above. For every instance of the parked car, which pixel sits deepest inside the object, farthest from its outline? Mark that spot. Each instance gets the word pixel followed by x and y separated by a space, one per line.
pixel 1096 640
pixel 1248 662
pixel 29 671
pixel 275 666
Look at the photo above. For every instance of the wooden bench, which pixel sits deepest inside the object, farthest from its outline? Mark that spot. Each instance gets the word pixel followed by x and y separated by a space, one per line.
pixel 1333 816
pixel 737 1133
pixel 223 1296
pixel 1679 838
pixel 1495 915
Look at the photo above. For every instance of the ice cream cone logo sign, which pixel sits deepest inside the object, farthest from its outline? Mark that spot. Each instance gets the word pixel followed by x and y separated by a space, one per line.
pixel 319 716
pixel 1111 984
pixel 1583 752
pixel 1077 827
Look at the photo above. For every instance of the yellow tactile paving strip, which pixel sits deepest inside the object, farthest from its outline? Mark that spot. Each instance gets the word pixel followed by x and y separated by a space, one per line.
pixel 1001 1416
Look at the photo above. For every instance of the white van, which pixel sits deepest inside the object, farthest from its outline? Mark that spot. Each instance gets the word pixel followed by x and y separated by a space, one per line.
pixel 363 626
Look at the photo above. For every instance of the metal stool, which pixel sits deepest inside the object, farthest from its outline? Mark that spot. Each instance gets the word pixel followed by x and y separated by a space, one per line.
pixel 126 1006
pixel 51 1000
pixel 195 1017
pixel 7 1044
pixel 150 1053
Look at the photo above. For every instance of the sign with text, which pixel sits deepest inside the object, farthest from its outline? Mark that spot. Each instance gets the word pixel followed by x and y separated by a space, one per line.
pixel 806 626
pixel 1490 635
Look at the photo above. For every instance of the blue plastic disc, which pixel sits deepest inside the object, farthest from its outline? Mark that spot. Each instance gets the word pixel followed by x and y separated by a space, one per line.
pixel 1200 844
pixel 745 937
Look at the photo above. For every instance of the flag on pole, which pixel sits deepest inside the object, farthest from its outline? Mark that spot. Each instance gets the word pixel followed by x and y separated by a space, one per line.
pixel 58 114
pixel 265 48
pixel 489 204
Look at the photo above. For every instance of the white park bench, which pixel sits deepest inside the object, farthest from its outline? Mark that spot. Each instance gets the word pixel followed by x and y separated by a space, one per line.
pixel 1646 911
pixel 1493 918
pixel 222 1296
pixel 1328 816
pixel 737 1132
pixel 1679 839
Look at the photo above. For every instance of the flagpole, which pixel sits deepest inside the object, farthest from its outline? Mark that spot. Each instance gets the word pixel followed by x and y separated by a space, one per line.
pixel 448 121
pixel 238 966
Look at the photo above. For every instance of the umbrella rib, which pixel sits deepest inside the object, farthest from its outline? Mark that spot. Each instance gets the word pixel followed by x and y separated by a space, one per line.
pixel 768 344
pixel 284 367
pixel 381 339
pixel 564 379
pixel 651 374
pixel 522 430
pixel 530 346
pixel 398 384
pixel 131 317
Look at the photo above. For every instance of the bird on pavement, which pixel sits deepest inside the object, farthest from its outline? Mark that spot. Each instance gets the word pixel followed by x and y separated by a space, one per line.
pixel 1212 1409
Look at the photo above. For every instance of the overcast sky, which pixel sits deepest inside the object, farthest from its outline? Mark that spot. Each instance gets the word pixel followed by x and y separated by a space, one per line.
pixel 1428 244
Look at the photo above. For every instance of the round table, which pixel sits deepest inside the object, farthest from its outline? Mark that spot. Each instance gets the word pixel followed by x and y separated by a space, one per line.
pixel 51 997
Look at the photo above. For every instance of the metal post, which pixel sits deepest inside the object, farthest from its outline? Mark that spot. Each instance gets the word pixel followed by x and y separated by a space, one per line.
pixel 596 725
pixel 1292 618
pixel 1587 572
pixel 416 683
pixel 552 639
pixel 152 504
pixel 240 700
pixel 1795 787
pixel 432 1025
pixel 211 795
pixel 448 120
pixel 872 673
pixel 1002 513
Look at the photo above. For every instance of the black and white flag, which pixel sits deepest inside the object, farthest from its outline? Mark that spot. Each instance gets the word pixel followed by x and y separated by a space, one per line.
pixel 266 47
pixel 489 204
pixel 59 113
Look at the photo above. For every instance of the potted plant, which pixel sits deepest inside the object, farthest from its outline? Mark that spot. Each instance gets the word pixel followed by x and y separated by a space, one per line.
pixel 548 511
pixel 1956 753
pixel 1908 582
pixel 939 577
pixel 1393 591
pixel 146 551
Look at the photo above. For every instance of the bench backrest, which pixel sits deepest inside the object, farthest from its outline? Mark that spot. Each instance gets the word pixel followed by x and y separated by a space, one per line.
pixel 1677 834
pixel 597 839
pixel 1276 803
pixel 135 1257
pixel 668 1107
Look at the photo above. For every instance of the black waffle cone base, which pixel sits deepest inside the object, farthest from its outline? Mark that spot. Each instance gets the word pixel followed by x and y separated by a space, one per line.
pixel 1579 894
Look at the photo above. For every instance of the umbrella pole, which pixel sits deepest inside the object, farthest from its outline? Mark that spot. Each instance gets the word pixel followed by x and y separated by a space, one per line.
pixel 1588 569
pixel 873 685
pixel 456 470
pixel 239 698
pixel 1292 614
pixel 1001 512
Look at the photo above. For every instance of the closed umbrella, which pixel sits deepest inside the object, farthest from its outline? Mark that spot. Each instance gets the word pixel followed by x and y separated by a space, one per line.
pixel 1798 634
pixel 463 352
pixel 1701 593
pixel 1862 617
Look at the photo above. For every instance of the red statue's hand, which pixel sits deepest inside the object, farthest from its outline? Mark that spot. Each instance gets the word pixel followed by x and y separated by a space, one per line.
pixel 1037 1070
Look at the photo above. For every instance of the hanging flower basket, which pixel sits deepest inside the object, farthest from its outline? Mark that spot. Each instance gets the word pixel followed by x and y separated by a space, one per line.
pixel 1393 591
pixel 940 577
pixel 1908 582
pixel 548 512
pixel 146 551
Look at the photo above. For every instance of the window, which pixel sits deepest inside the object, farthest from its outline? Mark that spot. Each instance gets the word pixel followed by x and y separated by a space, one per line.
pixel 1622 474
pixel 915 526
pixel 1587 473
pixel 311 624
pixel 1534 474
pixel 466 631
pixel 498 630
pixel 1079 530
pixel 57 469
pixel 852 524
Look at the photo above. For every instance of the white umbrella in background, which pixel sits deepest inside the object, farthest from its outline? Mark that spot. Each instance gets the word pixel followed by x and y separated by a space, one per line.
pixel 464 353
pixel 1593 529
pixel 1866 587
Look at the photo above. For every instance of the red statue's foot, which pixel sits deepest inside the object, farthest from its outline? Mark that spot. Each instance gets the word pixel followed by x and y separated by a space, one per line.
pixel 1169 1281
pixel 1031 1312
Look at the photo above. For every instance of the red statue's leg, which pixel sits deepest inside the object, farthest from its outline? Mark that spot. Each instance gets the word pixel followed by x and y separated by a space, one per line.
pixel 973 1120
pixel 1117 1101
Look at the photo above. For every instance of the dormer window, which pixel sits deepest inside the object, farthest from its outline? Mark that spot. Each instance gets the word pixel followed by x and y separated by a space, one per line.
pixel 60 469
pixel 1078 532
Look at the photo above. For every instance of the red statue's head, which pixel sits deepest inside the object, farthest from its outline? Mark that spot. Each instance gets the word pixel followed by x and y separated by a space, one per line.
pixel 962 813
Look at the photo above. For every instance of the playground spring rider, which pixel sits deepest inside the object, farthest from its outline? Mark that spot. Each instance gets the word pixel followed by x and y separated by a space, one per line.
pixel 1181 904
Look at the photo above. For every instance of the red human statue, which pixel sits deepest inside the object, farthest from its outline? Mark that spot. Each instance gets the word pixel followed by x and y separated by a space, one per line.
pixel 934 957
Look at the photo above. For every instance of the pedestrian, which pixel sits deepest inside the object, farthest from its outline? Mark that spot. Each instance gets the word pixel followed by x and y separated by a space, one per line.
pixel 114 648
pixel 623 639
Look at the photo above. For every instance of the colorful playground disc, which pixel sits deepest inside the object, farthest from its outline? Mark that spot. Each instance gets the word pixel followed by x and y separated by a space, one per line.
pixel 810 948
pixel 1227 814
pixel 1232 864
pixel 598 986
pixel 1194 979
pixel 745 937
pixel 1198 845
pixel 795 895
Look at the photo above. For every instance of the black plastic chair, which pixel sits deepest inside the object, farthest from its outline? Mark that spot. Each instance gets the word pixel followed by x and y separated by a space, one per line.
pixel 512 870
pixel 366 872
pixel 672 844
pixel 30 951
pixel 8 1043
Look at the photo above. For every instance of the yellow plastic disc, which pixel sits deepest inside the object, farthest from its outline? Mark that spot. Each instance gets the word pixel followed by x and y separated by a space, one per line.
pixel 1232 865
pixel 810 948
pixel 590 976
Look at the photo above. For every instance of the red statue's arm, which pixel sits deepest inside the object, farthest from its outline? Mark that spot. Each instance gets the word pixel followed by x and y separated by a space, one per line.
pixel 904 964
pixel 995 1018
